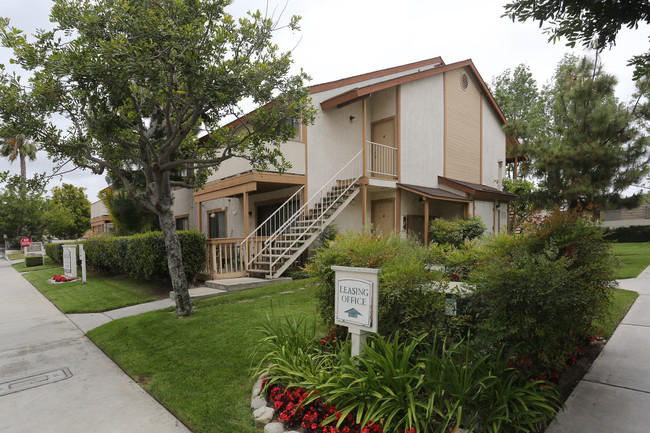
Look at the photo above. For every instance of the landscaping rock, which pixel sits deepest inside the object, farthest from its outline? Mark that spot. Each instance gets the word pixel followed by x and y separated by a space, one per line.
pixel 263 416
pixel 258 402
pixel 257 388
pixel 274 427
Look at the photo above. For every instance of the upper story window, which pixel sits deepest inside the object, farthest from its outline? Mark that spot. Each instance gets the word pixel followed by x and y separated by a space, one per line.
pixel 297 135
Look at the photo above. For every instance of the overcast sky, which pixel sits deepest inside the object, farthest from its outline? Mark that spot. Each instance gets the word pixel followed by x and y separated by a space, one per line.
pixel 341 38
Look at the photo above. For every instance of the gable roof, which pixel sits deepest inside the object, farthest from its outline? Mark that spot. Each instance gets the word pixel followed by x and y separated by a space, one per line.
pixel 358 93
pixel 476 189
pixel 435 61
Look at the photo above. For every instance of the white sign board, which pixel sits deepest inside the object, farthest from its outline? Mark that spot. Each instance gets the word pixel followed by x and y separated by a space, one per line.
pixel 82 257
pixel 357 294
pixel 70 261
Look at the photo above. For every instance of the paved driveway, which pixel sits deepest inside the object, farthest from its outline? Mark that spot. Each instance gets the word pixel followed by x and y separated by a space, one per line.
pixel 54 379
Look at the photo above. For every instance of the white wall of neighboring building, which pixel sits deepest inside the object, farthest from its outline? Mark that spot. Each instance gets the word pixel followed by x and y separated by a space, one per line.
pixel 422 127
pixel 485 210
pixel 494 146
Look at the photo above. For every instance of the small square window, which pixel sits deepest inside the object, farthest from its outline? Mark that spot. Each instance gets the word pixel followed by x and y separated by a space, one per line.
pixel 182 223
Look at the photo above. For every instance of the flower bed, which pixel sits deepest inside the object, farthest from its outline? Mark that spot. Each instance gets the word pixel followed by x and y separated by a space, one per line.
pixel 61 279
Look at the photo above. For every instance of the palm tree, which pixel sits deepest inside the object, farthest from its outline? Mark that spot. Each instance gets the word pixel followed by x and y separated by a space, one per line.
pixel 19 147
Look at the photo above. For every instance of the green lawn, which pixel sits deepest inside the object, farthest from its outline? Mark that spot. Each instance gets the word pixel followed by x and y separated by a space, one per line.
pixel 622 300
pixel 199 367
pixel 634 257
pixel 15 256
pixel 20 267
pixel 101 292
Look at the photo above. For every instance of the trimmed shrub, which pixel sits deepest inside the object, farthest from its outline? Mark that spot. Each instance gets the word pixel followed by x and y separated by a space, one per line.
pixel 33 261
pixel 538 292
pixel 456 232
pixel 411 297
pixel 144 255
pixel 55 252
pixel 628 234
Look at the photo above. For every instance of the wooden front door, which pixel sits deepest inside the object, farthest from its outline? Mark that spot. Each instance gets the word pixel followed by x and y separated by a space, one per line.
pixel 383 156
pixel 383 215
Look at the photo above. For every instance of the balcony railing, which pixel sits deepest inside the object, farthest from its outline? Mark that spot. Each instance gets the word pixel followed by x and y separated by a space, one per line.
pixel 224 258
pixel 382 160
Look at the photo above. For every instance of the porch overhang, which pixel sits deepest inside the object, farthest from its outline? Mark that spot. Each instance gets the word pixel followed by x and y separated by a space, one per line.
pixel 433 193
pixel 476 189
pixel 253 181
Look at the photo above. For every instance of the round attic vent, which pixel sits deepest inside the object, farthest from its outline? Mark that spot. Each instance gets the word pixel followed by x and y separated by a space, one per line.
pixel 464 81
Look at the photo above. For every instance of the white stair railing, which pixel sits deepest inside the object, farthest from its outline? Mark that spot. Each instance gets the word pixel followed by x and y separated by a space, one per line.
pixel 251 244
pixel 382 159
pixel 315 208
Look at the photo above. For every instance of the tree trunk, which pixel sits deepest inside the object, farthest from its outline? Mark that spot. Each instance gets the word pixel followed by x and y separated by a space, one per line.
pixel 23 166
pixel 184 306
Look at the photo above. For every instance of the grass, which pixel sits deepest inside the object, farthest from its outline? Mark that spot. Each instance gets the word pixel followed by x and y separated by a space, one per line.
pixel 20 267
pixel 199 367
pixel 100 293
pixel 15 256
pixel 634 256
pixel 622 300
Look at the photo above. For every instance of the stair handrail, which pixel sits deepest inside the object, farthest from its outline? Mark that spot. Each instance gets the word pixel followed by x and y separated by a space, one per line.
pixel 357 172
pixel 253 234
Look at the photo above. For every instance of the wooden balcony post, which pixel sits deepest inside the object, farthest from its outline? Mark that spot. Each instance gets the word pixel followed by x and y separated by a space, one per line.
pixel 364 144
pixel 364 203
pixel 426 221
pixel 198 208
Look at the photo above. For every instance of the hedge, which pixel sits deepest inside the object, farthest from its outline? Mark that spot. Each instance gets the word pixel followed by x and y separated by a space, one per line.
pixel 141 256
pixel 629 234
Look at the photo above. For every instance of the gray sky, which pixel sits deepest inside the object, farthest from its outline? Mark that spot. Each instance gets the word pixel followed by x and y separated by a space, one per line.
pixel 341 38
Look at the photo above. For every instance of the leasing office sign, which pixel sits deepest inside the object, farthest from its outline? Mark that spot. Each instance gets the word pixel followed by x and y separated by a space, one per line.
pixel 356 297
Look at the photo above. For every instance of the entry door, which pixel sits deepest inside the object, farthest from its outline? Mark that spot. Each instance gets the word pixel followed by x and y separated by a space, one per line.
pixel 383 156
pixel 383 215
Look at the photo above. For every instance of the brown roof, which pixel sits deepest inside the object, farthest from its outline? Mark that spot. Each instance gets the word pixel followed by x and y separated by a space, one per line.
pixel 433 193
pixel 476 189
pixel 352 95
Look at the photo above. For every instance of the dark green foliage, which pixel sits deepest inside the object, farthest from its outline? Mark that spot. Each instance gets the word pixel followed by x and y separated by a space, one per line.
pixel 411 297
pixel 409 382
pixel 55 252
pixel 628 234
pixel 127 215
pixel 144 256
pixel 593 24
pixel 539 291
pixel 456 232
pixel 31 261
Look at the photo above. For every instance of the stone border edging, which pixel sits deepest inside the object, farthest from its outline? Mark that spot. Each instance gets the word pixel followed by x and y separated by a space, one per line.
pixel 263 414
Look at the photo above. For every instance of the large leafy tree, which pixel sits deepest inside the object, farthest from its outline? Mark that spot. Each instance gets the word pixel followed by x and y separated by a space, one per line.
pixel 594 147
pixel 519 98
pixel 74 203
pixel 22 207
pixel 592 23
pixel 138 79
pixel 128 216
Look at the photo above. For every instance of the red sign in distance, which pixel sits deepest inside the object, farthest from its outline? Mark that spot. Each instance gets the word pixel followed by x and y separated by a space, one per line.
pixel 25 242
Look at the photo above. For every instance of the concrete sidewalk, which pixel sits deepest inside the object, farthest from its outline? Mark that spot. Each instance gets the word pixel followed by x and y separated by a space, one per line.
pixel 614 396
pixel 53 379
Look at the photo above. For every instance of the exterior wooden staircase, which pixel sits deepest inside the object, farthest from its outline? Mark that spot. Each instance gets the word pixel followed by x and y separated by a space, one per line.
pixel 276 243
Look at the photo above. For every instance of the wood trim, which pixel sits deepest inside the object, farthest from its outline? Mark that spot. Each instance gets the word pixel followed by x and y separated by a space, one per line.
pixel 426 221
pixel 473 208
pixel 200 217
pixel 225 221
pixel 480 101
pixel 227 192
pixel 398 209
pixel 444 125
pixel 185 215
pixel 247 224
pixel 364 210
pixel 255 176
pixel 370 75
pixel 433 197
pixel 365 140
pixel 398 131
pixel 469 190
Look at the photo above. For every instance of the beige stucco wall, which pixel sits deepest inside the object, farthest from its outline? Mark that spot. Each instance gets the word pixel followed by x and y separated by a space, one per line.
pixel 293 152
pixel 98 209
pixel 184 204
pixel 422 128
pixel 494 146
pixel 382 105
pixel 232 207
pixel 462 127
pixel 485 210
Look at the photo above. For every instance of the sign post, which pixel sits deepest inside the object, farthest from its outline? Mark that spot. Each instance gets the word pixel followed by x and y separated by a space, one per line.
pixel 82 257
pixel 70 261
pixel 357 295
